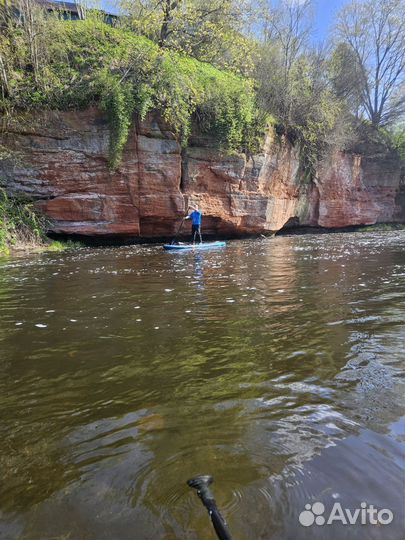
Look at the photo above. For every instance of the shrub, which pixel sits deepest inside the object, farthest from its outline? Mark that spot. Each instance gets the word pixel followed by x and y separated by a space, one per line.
pixel 20 223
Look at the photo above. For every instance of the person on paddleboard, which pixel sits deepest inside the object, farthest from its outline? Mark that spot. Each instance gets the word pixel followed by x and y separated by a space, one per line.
pixel 196 218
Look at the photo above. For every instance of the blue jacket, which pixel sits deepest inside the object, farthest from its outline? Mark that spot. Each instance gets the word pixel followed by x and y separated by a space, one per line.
pixel 195 217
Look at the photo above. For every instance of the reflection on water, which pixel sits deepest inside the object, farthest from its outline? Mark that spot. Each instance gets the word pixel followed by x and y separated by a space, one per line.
pixel 274 365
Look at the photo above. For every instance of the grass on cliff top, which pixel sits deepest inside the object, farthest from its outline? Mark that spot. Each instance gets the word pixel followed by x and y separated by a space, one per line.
pixel 87 62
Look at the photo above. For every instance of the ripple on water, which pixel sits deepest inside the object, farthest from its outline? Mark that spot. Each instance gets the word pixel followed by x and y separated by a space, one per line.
pixel 276 366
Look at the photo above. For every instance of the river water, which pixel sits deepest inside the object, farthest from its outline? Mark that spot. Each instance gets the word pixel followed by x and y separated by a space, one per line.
pixel 275 365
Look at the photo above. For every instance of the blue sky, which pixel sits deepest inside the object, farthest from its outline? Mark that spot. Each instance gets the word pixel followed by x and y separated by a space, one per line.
pixel 324 12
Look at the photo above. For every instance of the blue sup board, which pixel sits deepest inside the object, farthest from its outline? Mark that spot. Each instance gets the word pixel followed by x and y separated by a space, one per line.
pixel 195 247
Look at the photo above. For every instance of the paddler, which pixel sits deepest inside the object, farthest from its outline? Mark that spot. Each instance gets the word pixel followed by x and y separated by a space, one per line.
pixel 196 218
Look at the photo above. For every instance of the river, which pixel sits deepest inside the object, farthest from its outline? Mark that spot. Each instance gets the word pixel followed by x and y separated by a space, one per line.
pixel 275 365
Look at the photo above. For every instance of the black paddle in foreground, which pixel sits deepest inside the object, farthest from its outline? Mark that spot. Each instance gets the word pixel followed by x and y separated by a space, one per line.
pixel 201 484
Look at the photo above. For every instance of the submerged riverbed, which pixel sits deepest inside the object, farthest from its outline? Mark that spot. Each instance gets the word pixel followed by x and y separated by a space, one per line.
pixel 275 365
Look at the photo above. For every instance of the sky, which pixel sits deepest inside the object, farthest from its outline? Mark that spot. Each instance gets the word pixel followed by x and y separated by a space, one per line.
pixel 324 12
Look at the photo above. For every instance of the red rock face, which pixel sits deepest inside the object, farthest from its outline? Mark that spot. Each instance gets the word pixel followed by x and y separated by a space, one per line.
pixel 258 195
pixel 357 190
pixel 63 163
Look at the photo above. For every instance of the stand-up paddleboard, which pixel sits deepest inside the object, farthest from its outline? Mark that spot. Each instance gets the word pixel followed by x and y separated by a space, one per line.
pixel 191 247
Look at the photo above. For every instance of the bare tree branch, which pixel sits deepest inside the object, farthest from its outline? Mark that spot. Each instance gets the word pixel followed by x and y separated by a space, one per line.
pixel 375 31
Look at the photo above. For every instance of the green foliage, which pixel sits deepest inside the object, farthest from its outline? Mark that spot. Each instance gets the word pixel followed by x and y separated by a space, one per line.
pixel 63 65
pixel 380 142
pixel 24 227
pixel 346 76
pixel 59 245
pixel 303 102
pixel 89 62
pixel 317 126
pixel 118 102
pixel 223 104
pixel 398 141
pixel 209 30
pixel 20 223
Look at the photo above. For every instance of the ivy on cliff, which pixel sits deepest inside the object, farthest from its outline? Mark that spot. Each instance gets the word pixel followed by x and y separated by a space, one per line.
pixel 117 101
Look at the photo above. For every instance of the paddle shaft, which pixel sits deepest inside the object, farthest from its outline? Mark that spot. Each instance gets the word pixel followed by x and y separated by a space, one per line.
pixel 202 483
pixel 179 229
pixel 217 520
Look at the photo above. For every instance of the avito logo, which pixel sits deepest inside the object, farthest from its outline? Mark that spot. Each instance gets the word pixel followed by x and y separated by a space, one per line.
pixel 314 513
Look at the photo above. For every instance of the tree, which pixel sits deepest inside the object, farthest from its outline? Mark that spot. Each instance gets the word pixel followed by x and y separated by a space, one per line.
pixel 289 25
pixel 293 81
pixel 374 32
pixel 285 38
pixel 345 75
pixel 209 30
pixel 23 42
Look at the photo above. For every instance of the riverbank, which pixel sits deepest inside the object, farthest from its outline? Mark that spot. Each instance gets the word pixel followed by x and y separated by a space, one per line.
pixel 62 242
pixel 377 227
pixel 23 228
pixel 22 249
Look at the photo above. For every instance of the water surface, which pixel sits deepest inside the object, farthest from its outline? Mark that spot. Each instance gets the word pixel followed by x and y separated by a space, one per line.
pixel 275 365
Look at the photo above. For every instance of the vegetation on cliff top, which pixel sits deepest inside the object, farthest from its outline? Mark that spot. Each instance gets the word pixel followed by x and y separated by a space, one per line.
pixel 87 62
pixel 226 65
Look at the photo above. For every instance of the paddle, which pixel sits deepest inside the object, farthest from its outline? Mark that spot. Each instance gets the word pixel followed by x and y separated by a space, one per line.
pixel 181 225
pixel 201 484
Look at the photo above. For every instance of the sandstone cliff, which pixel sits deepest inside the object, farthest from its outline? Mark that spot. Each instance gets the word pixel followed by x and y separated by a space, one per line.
pixel 62 161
